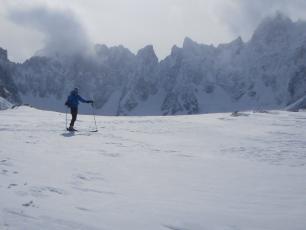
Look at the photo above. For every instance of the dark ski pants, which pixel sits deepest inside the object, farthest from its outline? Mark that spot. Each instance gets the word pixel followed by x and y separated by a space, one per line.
pixel 74 114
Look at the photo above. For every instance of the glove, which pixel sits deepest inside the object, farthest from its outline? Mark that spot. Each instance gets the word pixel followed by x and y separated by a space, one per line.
pixel 90 101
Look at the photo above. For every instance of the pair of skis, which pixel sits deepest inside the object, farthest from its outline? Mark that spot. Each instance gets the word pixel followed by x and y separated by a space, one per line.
pixel 75 130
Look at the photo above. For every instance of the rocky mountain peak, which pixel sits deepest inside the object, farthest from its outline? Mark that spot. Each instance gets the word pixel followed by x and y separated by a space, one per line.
pixel 237 43
pixel 272 29
pixel 189 44
pixel 147 55
pixel 3 54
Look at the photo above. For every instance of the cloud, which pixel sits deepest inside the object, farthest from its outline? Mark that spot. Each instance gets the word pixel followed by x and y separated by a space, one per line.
pixel 62 31
pixel 132 23
pixel 243 16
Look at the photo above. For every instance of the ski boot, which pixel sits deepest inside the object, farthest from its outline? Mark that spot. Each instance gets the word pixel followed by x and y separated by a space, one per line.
pixel 71 129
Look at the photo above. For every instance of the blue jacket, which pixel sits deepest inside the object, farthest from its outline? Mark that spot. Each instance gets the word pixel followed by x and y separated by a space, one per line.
pixel 73 100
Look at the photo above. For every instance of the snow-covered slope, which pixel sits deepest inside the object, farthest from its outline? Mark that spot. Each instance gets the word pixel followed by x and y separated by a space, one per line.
pixel 269 71
pixel 216 172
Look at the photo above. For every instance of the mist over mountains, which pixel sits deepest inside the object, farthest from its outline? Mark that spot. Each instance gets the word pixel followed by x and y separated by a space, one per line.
pixel 267 72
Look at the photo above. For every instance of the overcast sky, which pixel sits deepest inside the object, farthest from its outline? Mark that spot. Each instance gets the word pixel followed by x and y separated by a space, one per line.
pixel 70 25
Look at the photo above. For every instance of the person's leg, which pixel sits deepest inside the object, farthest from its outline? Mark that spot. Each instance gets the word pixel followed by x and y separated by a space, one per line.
pixel 74 113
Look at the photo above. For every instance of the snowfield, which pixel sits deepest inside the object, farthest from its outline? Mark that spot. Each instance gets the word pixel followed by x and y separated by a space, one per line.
pixel 203 172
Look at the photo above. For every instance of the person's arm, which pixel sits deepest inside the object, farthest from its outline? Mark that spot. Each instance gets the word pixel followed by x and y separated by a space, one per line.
pixel 83 100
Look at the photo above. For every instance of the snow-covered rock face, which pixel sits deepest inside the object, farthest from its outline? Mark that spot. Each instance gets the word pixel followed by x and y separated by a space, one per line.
pixel 267 72
pixel 4 104
pixel 8 89
pixel 3 55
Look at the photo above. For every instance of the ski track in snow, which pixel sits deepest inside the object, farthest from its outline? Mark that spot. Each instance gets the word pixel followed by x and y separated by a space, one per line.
pixel 216 172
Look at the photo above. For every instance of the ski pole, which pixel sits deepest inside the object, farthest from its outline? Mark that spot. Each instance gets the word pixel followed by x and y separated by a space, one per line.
pixel 66 118
pixel 94 115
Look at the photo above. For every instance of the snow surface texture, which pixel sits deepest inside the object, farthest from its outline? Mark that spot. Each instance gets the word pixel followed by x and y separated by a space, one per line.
pixel 244 171
pixel 267 72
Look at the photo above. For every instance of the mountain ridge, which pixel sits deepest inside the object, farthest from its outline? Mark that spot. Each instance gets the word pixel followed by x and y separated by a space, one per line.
pixel 267 72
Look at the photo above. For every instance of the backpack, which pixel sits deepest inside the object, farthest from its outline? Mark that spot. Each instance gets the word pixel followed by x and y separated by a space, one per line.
pixel 68 102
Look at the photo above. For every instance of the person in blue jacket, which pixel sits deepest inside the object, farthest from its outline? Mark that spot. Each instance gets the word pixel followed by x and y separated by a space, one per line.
pixel 73 102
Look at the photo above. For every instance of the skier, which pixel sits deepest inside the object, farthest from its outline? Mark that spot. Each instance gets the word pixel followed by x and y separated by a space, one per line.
pixel 73 103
